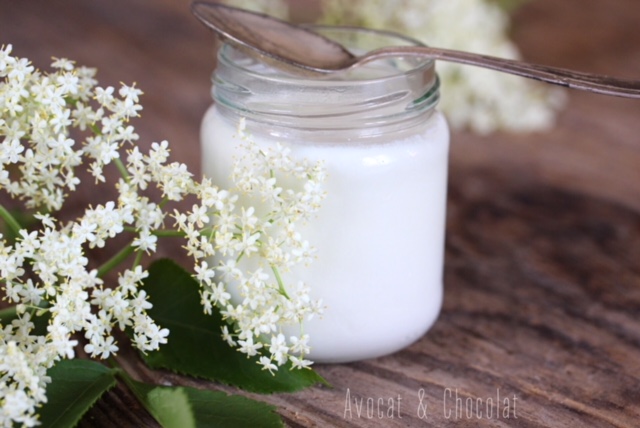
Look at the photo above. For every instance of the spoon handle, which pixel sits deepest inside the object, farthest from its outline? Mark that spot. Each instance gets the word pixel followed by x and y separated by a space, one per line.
pixel 558 76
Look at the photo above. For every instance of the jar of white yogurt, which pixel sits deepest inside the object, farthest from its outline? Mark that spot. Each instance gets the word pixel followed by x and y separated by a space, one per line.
pixel 380 232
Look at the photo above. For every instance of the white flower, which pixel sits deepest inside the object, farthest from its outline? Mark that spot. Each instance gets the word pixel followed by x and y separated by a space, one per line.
pixel 266 364
pixel 63 64
pixel 300 345
pixel 139 304
pixel 252 226
pixel 204 273
pixel 248 347
pixel 147 335
pixel 68 82
pixel 100 347
pixel 10 150
pixel 145 242
pixel 104 96
pixel 219 294
pixel 128 281
pixel 5 58
pixel 130 93
pixel 299 363
pixel 278 348
pixel 211 196
pixel 227 337
pixel 230 270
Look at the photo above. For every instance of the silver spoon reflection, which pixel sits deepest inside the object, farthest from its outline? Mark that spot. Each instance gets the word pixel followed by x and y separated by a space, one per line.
pixel 298 50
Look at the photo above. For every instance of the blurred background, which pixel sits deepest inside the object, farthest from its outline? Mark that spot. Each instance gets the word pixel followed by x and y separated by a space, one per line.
pixel 544 202
pixel 535 129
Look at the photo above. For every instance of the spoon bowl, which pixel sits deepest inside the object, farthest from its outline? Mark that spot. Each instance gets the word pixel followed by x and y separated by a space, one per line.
pixel 299 50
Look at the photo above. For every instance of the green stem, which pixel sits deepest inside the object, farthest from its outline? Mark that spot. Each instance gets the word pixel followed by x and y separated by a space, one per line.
pixel 138 259
pixel 281 288
pixel 115 260
pixel 8 313
pixel 164 202
pixel 122 169
pixel 10 220
pixel 165 233
pixel 168 233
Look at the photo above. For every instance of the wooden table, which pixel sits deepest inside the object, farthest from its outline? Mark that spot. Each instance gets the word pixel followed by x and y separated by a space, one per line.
pixel 542 272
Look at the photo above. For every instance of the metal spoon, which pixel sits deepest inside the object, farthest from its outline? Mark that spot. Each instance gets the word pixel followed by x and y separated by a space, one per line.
pixel 299 50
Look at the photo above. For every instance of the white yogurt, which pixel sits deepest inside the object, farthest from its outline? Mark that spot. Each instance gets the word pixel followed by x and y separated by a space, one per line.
pixel 379 236
pixel 380 232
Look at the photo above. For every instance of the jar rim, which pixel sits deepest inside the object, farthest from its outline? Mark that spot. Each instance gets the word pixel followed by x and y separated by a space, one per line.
pixel 255 68
pixel 379 97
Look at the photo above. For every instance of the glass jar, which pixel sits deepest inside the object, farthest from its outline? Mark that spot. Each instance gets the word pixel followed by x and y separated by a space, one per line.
pixel 380 232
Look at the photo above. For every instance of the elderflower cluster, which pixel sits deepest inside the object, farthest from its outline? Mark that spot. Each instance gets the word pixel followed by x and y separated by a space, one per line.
pixel 480 99
pixel 38 158
pixel 250 250
pixel 24 359
pixel 45 270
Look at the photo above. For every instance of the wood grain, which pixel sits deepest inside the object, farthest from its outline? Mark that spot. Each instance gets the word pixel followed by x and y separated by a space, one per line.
pixel 542 276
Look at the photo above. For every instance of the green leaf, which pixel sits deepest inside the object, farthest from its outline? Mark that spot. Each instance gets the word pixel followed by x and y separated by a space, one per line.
pixel 171 407
pixel 183 407
pixel 196 346
pixel 7 315
pixel 75 386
